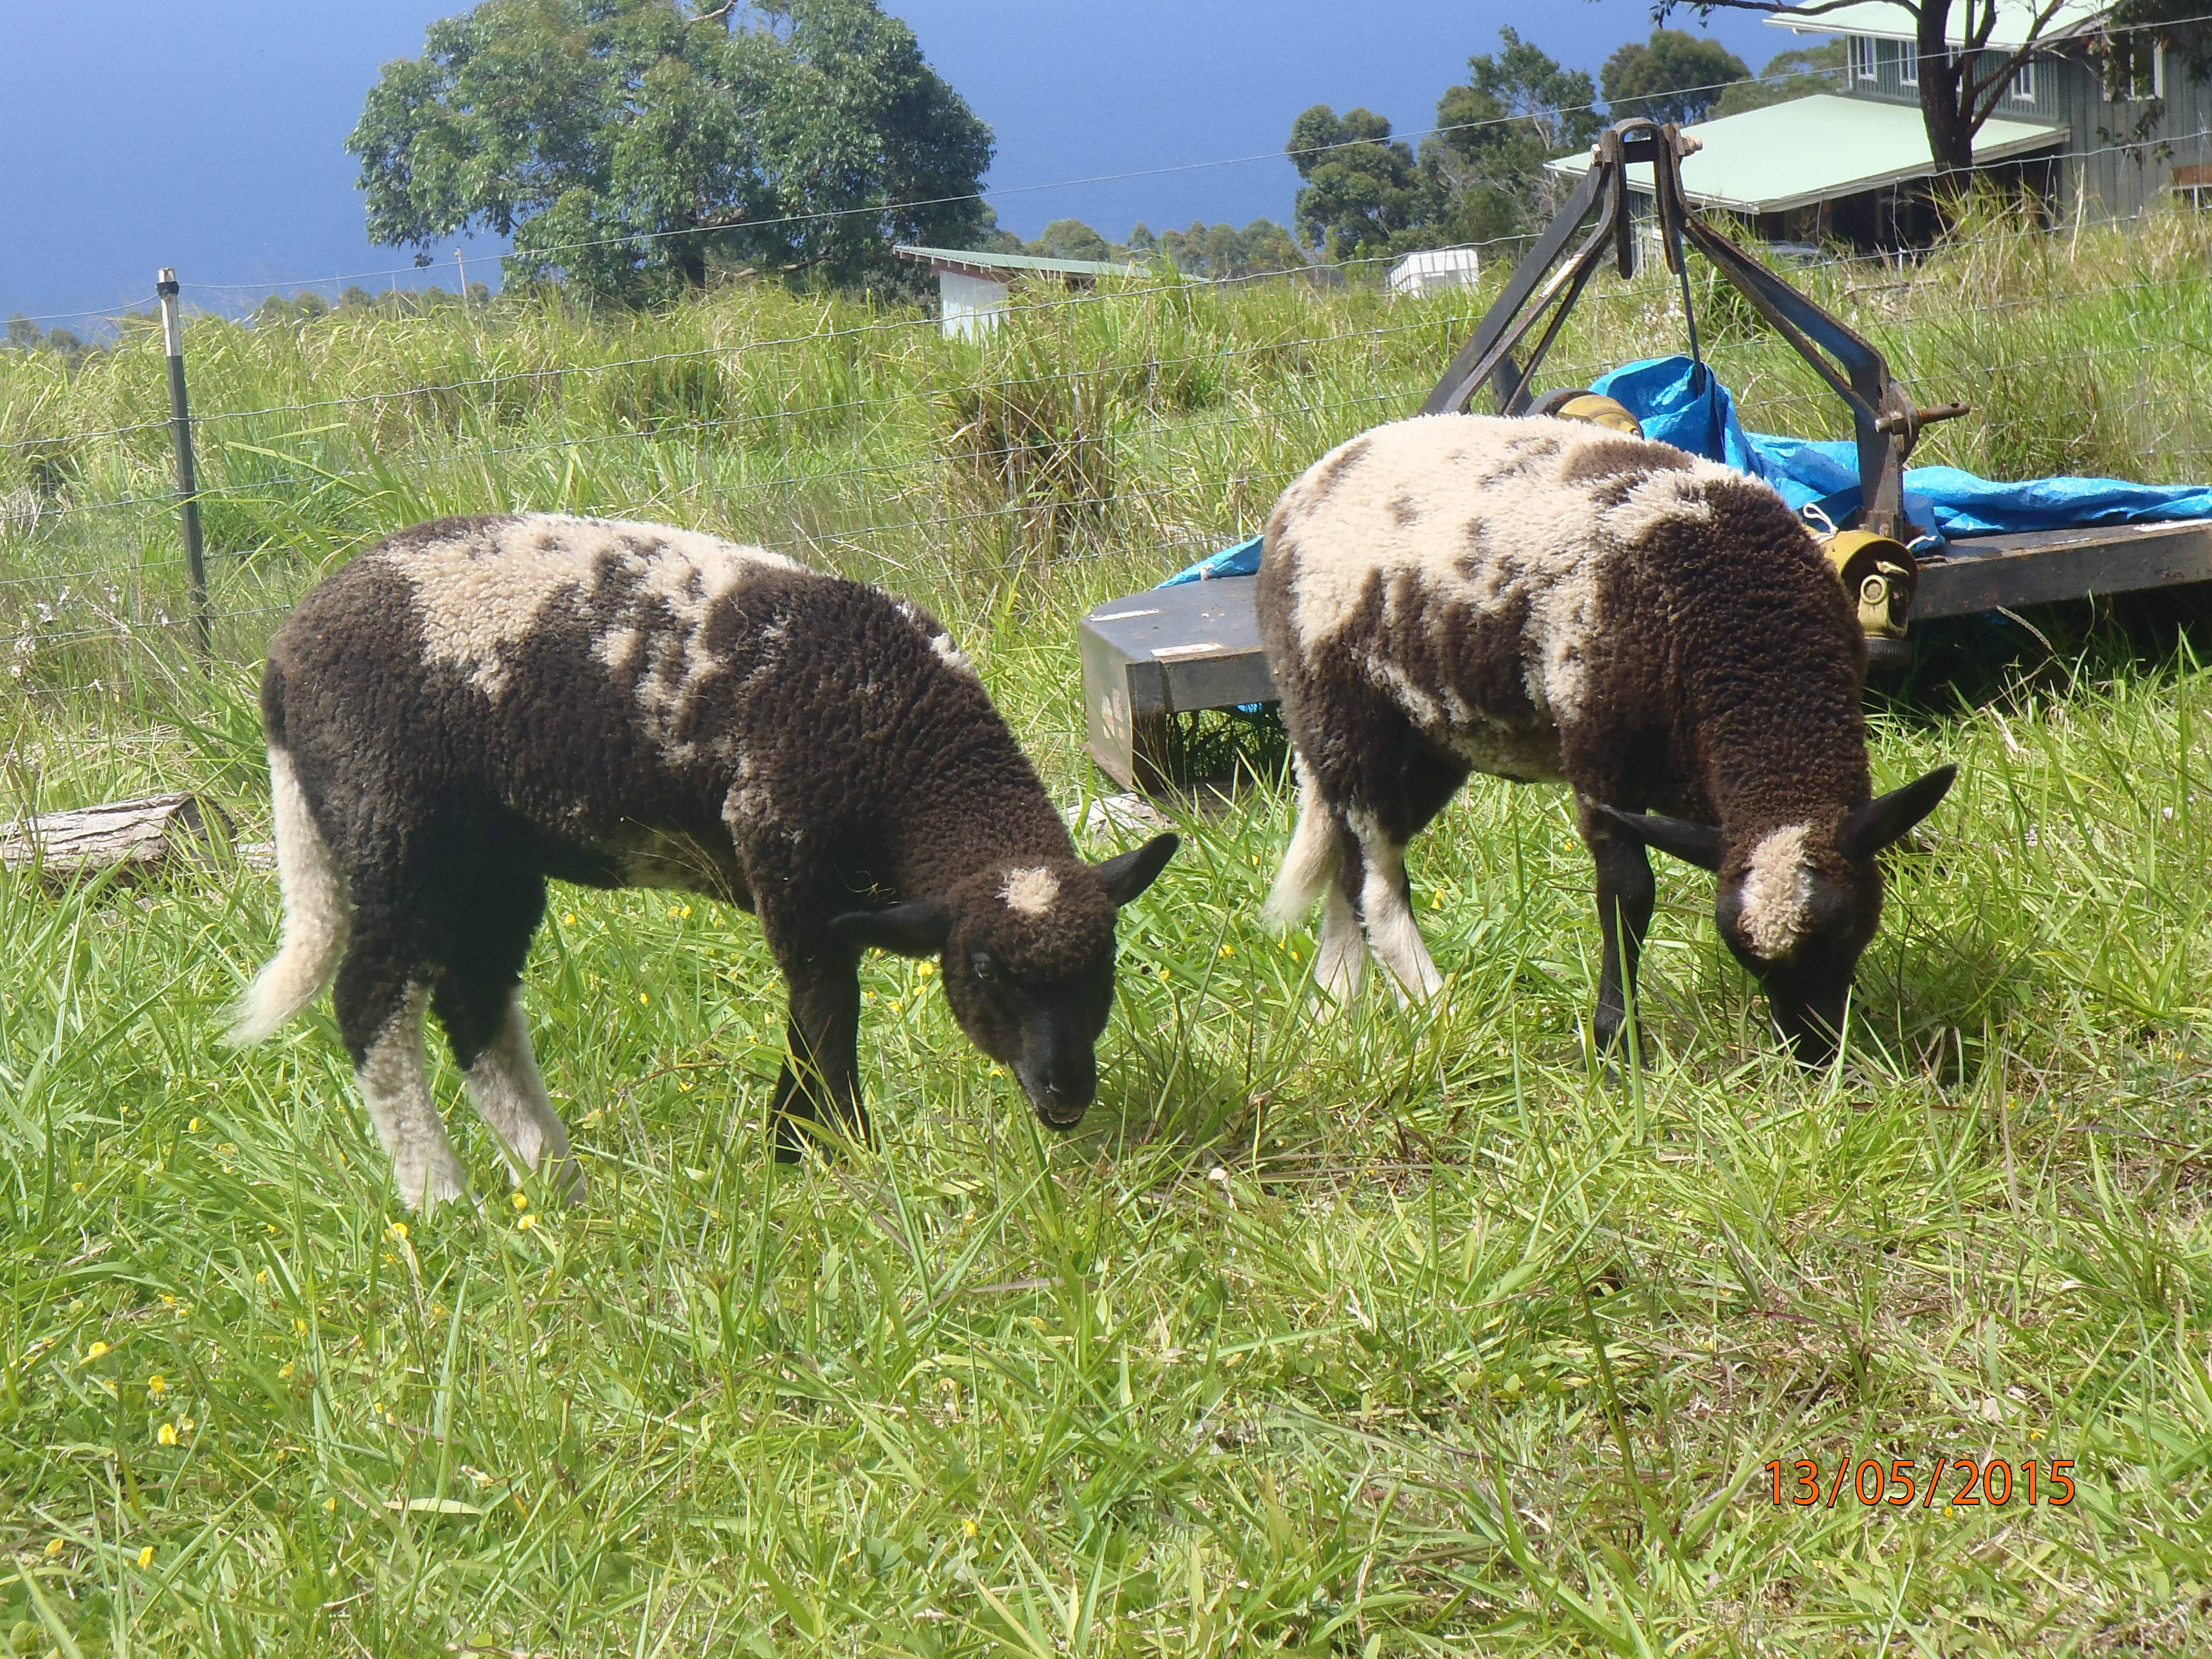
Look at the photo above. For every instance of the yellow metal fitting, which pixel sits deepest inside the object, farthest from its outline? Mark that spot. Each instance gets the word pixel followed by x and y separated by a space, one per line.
pixel 1599 410
pixel 1879 575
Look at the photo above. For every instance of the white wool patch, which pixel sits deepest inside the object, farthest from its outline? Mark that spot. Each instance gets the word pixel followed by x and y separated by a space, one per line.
pixel 1311 859
pixel 315 916
pixel 1029 891
pixel 1496 516
pixel 952 656
pixel 1392 933
pixel 395 1086
pixel 479 596
pixel 1777 891
pixel 508 1092
pixel 1340 963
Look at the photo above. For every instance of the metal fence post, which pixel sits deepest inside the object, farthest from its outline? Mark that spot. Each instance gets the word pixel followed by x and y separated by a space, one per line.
pixel 180 432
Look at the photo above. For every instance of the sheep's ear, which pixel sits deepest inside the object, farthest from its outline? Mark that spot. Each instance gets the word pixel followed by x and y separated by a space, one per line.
pixel 1130 874
pixel 1867 830
pixel 1692 843
pixel 919 929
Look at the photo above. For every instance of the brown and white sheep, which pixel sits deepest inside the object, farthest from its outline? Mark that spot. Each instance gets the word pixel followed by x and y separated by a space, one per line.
pixel 1544 599
pixel 477 706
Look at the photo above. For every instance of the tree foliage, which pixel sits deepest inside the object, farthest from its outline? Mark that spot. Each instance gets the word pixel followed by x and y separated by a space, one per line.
pixel 1479 176
pixel 1798 73
pixel 25 335
pixel 1484 165
pixel 1219 250
pixel 1362 191
pixel 631 146
pixel 1674 76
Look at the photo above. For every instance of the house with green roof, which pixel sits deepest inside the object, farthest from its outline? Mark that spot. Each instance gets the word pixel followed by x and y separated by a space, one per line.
pixel 2098 126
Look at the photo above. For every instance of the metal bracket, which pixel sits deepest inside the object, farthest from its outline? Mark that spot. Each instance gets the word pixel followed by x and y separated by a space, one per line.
pixel 1886 421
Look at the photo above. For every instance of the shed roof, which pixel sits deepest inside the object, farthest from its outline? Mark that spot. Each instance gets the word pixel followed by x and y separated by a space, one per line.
pixel 974 262
pixel 1889 21
pixel 1815 149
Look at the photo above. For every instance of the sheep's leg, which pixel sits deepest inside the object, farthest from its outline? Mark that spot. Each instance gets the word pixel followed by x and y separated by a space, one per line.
pixel 820 1082
pixel 478 1000
pixel 1340 964
pixel 379 1003
pixel 1625 894
pixel 509 1094
pixel 1386 906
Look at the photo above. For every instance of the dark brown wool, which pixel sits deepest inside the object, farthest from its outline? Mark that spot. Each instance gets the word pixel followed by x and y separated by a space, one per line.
pixel 1543 600
pixel 476 706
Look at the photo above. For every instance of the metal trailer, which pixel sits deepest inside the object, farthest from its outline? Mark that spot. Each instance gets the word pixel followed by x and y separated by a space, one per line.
pixel 1152 656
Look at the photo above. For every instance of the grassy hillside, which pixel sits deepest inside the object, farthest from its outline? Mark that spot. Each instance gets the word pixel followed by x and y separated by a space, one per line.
pixel 1405 1334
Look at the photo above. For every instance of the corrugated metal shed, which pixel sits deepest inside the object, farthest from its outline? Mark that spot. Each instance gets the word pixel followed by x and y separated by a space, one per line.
pixel 1885 21
pixel 971 285
pixel 1815 150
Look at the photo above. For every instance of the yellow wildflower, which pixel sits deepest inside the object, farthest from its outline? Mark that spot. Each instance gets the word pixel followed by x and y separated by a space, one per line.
pixel 146 1556
pixel 157 1383
pixel 521 1201
pixel 94 1351
pixel 399 1230
pixel 54 1547
pixel 167 1434
pixel 526 1223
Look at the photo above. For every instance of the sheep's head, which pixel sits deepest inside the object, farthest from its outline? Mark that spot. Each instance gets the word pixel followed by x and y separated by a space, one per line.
pixel 1799 904
pixel 1027 950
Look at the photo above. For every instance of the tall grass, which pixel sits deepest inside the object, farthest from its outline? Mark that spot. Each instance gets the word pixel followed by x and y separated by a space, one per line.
pixel 1412 1333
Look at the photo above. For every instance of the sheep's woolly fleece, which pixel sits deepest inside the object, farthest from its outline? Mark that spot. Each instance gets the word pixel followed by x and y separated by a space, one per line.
pixel 1545 600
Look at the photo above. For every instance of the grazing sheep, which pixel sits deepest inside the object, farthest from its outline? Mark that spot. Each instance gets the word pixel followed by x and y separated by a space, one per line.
pixel 477 705
pixel 1538 599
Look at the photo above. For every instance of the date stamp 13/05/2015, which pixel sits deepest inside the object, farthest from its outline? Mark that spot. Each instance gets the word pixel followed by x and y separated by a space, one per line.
pixel 1951 1483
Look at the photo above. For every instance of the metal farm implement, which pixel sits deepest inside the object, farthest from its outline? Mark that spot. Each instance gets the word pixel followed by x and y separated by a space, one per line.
pixel 1150 656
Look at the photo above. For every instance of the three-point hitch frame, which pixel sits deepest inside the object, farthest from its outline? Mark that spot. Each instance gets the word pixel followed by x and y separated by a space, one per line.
pixel 1887 421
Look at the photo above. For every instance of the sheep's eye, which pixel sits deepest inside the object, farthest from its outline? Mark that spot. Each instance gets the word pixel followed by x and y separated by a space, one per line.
pixel 981 966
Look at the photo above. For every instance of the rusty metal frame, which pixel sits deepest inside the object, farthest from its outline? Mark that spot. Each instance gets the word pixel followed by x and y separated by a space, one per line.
pixel 1886 419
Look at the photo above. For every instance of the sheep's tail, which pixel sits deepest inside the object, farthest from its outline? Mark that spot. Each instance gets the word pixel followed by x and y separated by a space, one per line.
pixel 314 914
pixel 1311 861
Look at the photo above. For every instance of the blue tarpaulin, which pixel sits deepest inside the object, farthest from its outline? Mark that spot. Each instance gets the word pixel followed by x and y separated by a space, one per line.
pixel 1683 403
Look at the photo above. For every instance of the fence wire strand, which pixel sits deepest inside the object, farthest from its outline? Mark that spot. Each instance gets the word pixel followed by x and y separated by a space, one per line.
pixel 947 470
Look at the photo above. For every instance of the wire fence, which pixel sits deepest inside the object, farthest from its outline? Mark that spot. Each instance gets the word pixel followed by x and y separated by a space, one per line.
pixel 1092 438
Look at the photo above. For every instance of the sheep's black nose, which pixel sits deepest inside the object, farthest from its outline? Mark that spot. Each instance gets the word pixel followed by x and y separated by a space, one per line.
pixel 1062 1107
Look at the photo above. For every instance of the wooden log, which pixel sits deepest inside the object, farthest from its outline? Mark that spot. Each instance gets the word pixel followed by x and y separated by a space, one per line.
pixel 139 839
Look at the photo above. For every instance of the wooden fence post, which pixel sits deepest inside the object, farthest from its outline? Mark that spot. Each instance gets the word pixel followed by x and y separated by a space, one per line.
pixel 180 432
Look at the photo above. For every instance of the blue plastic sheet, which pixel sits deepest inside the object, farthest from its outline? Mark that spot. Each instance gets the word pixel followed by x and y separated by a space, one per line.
pixel 1683 402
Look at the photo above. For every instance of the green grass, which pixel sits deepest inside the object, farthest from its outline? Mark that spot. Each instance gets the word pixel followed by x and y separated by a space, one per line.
pixel 1405 1334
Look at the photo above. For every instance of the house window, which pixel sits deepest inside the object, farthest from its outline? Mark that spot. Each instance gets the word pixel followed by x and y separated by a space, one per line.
pixel 2022 90
pixel 1908 65
pixel 2136 68
pixel 1861 56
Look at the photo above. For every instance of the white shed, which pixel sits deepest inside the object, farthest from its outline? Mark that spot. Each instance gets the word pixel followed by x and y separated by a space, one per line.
pixel 1436 270
pixel 972 286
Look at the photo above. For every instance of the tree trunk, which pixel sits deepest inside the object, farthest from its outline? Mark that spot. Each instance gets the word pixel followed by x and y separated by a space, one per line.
pixel 1946 99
